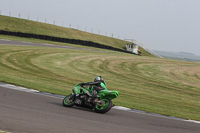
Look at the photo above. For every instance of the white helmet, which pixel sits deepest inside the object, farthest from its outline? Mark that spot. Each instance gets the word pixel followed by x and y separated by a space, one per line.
pixel 98 78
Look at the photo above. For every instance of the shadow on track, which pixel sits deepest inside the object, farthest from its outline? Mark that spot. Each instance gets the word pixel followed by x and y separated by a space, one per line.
pixel 74 107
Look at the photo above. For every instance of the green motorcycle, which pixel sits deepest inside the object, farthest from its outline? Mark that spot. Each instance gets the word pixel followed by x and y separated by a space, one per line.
pixel 82 96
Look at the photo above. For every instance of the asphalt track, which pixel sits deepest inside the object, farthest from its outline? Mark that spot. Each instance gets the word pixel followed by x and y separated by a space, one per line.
pixel 9 42
pixel 24 112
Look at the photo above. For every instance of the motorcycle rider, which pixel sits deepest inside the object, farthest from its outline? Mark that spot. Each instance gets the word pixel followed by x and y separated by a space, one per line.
pixel 98 85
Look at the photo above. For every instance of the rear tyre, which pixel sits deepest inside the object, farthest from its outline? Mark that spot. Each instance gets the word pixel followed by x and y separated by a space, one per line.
pixel 69 101
pixel 103 107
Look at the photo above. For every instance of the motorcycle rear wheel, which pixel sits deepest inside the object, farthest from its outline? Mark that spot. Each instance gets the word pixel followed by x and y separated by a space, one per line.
pixel 104 107
pixel 68 101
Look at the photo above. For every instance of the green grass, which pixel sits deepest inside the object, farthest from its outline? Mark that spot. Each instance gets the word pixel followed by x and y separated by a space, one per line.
pixel 27 26
pixel 163 86
pixel 3 131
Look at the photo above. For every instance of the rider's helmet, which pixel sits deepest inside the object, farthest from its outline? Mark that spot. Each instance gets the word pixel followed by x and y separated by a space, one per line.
pixel 98 78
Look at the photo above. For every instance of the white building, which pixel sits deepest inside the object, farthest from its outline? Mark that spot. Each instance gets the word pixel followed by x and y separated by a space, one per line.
pixel 132 48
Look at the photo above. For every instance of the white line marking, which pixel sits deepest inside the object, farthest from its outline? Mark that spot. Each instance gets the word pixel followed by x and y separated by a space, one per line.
pixel 198 122
pixel 17 87
pixel 122 108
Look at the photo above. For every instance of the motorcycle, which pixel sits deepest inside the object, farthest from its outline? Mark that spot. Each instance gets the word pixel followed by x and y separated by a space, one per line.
pixel 83 97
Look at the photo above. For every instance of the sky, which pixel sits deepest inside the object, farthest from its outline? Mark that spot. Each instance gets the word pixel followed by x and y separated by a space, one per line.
pixel 166 25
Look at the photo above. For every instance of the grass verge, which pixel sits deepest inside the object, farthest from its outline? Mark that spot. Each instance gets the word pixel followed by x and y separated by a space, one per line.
pixel 3 131
pixel 162 86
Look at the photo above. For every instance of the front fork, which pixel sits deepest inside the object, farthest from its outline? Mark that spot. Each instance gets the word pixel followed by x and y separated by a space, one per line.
pixel 72 96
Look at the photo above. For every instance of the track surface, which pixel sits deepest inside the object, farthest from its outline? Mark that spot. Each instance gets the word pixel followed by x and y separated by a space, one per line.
pixel 8 42
pixel 23 112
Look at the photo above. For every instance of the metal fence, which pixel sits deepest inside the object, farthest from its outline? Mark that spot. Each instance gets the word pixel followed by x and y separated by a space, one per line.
pixel 59 23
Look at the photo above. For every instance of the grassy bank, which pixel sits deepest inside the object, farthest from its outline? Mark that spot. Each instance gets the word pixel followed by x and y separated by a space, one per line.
pixel 27 26
pixel 161 86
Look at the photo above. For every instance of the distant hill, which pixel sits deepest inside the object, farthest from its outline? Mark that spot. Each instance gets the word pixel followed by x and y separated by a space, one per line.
pixel 179 55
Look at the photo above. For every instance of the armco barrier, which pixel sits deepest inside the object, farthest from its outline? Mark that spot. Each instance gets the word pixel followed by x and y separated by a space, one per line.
pixel 58 39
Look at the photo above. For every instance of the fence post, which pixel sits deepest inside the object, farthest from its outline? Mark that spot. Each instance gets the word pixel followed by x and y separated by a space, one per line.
pixel 10 14
pixel 19 15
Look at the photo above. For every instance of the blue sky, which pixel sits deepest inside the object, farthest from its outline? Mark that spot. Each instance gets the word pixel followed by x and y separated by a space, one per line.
pixel 167 25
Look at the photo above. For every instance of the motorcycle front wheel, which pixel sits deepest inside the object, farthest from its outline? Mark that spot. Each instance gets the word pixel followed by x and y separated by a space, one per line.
pixel 69 101
pixel 104 106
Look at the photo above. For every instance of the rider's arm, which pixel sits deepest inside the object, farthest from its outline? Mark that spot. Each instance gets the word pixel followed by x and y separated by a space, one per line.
pixel 89 83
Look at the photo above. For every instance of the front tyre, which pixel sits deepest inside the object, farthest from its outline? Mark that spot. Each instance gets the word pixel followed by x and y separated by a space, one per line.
pixel 104 106
pixel 69 101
